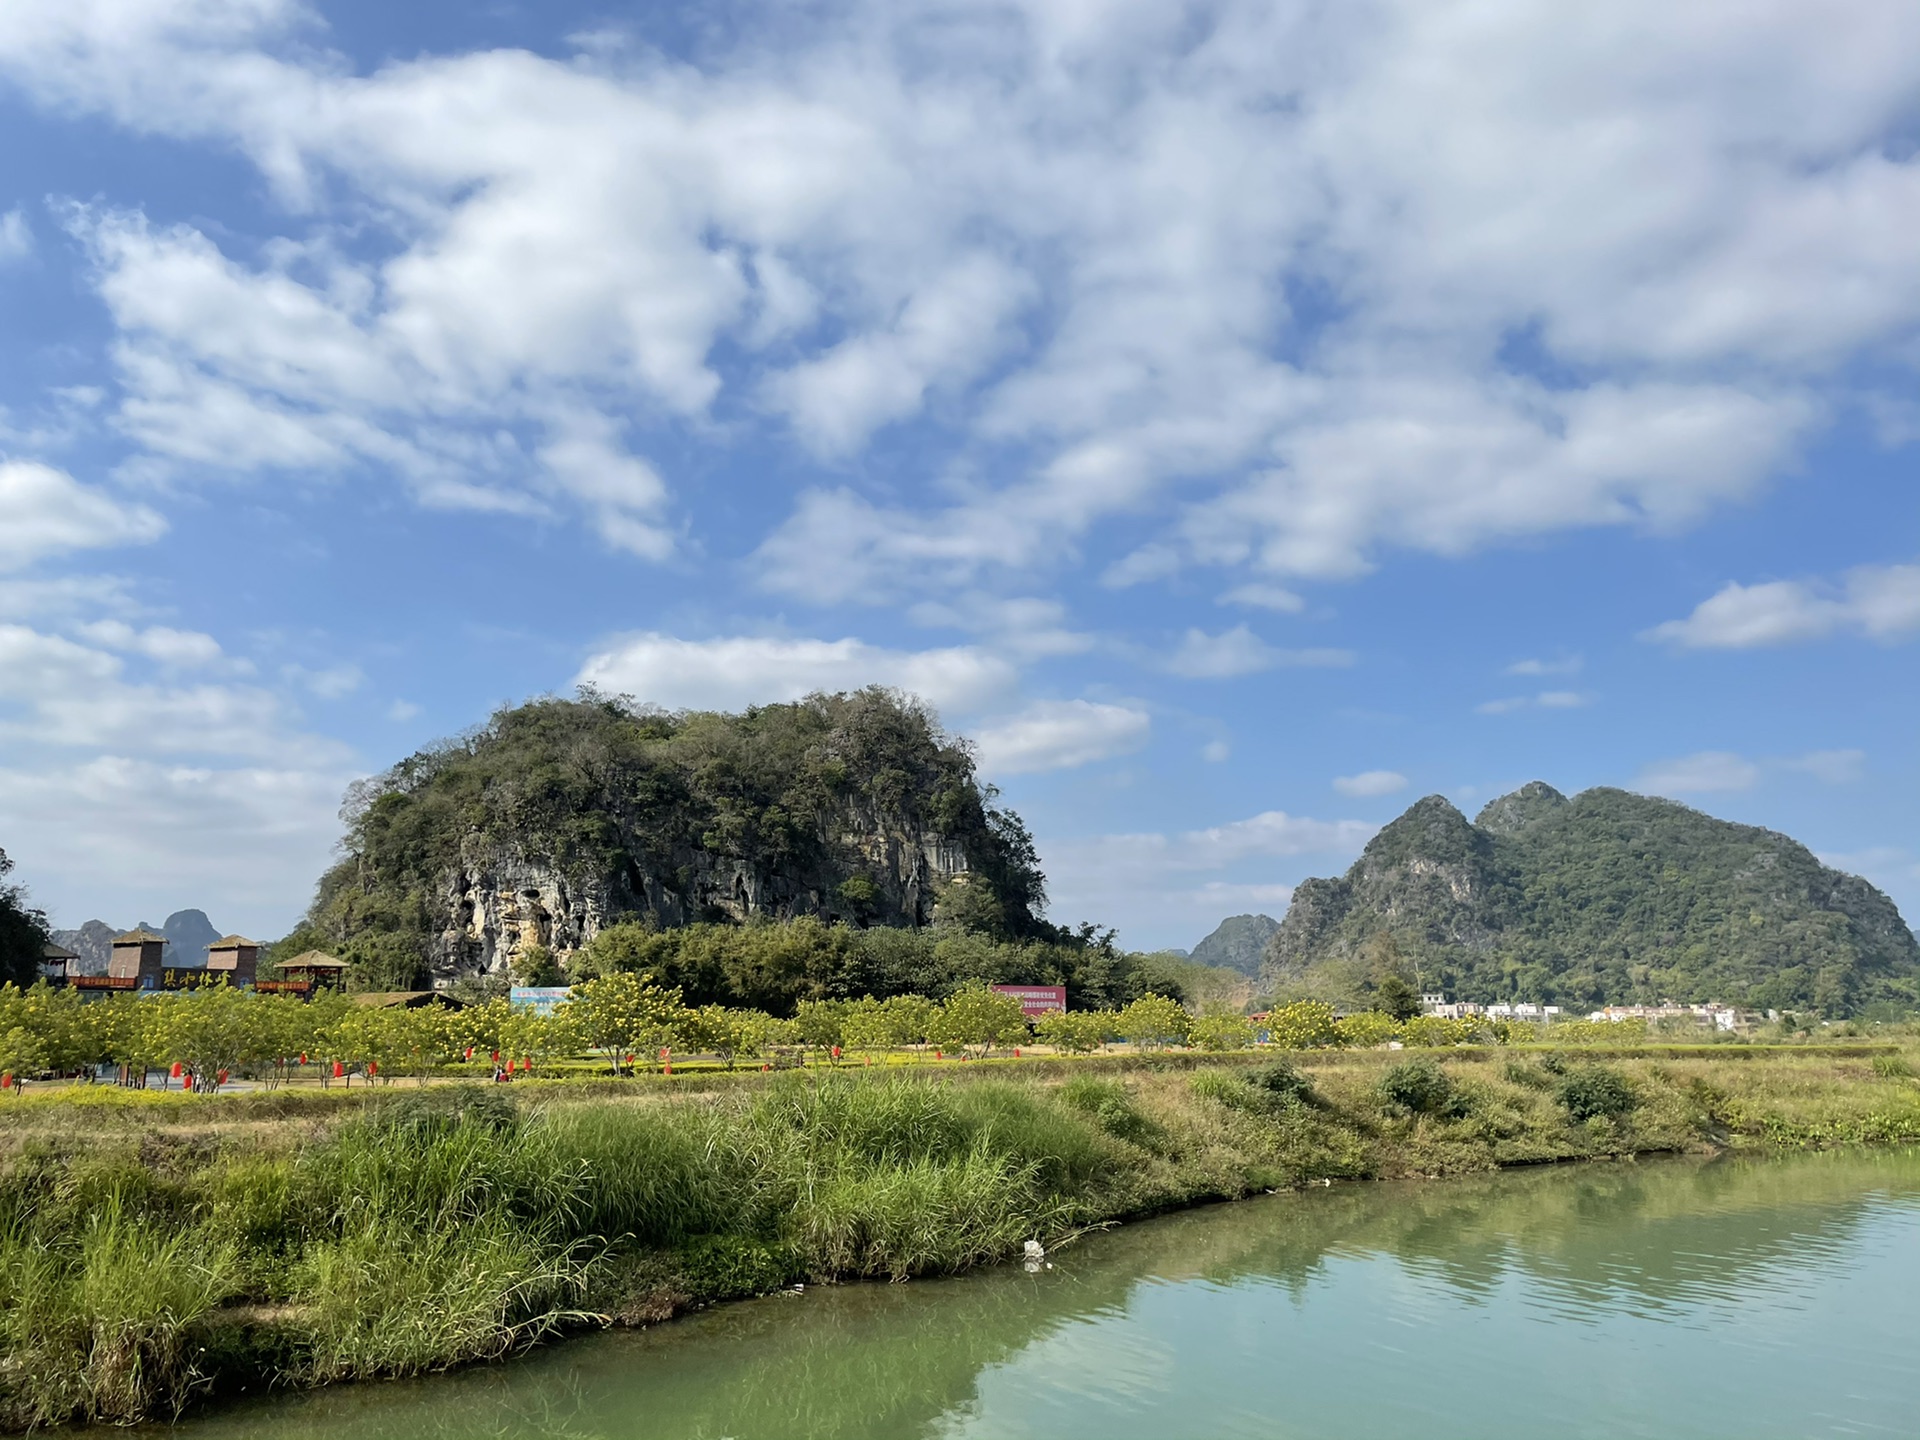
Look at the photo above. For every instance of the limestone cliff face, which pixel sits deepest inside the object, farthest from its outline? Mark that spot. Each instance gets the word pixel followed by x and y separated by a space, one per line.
pixel 501 900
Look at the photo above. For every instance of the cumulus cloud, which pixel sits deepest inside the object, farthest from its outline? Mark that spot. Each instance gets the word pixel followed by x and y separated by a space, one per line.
pixel 1138 880
pixel 177 649
pixel 1880 601
pixel 1836 767
pixel 1071 240
pixel 44 511
pixel 1370 782
pixel 1542 700
pixel 242 842
pixel 1239 651
pixel 1561 665
pixel 127 782
pixel 733 671
pixel 1060 734
pixel 1711 770
pixel 1264 597
pixel 16 237
pixel 1707 770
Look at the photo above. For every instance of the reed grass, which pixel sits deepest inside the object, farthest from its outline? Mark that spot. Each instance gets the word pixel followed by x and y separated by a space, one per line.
pixel 144 1264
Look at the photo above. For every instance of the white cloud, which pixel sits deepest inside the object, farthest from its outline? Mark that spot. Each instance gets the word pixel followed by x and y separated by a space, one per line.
pixel 1836 767
pixel 1543 700
pixel 1024 628
pixel 177 649
pixel 734 671
pixel 1370 782
pixel 1137 880
pixel 16 236
pixel 402 710
pixel 1215 752
pixel 1264 597
pixel 334 682
pixel 45 512
pixel 1880 601
pixel 1709 770
pixel 126 788
pixel 113 837
pixel 1072 235
pixel 1239 651
pixel 1561 665
pixel 1060 734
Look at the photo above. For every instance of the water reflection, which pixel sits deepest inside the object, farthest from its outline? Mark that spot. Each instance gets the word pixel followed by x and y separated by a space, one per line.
pixel 1668 1298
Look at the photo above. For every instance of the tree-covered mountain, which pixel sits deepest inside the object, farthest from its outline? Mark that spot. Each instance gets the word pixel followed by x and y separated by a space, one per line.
pixel 1237 943
pixel 561 817
pixel 1609 897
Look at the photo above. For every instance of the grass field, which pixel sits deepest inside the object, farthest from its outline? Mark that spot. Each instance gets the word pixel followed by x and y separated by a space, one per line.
pixel 156 1248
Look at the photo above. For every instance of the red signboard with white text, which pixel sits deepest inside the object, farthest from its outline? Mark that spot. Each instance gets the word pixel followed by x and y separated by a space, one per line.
pixel 1036 999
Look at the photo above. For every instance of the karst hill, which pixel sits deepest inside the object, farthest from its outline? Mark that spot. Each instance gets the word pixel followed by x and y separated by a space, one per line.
pixel 560 817
pixel 1608 897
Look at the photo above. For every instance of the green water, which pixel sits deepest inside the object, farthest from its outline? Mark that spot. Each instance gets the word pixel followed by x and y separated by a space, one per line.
pixel 1743 1298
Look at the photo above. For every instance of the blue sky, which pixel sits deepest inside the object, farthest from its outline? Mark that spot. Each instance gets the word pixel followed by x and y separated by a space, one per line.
pixel 1241 419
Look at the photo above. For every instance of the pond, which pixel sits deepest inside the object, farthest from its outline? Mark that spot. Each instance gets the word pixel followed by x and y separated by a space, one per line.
pixel 1670 1298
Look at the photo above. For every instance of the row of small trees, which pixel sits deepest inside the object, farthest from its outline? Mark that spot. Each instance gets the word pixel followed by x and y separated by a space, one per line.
pixel 624 1018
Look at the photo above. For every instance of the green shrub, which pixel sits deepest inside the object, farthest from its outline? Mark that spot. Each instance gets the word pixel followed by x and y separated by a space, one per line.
pixel 1421 1087
pixel 1590 1091
pixel 1111 1107
pixel 1281 1081
pixel 1891 1067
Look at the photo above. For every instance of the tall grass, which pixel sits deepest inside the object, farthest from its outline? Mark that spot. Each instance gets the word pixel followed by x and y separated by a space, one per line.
pixel 140 1267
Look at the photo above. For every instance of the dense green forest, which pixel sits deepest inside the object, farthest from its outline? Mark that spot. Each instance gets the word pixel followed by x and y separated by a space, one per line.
pixel 1609 897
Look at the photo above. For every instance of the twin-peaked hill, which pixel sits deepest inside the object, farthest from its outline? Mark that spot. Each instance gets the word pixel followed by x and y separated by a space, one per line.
pixel 1609 897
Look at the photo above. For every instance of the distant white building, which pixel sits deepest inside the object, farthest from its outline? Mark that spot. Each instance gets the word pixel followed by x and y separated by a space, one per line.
pixel 1712 1015
pixel 1437 1004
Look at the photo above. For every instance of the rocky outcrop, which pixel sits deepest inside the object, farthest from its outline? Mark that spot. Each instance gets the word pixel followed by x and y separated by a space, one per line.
pixel 501 901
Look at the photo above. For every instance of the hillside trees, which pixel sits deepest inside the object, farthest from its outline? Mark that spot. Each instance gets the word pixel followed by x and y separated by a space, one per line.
pixel 23 931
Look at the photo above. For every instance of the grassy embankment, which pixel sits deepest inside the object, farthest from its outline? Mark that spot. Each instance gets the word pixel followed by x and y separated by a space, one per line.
pixel 155 1248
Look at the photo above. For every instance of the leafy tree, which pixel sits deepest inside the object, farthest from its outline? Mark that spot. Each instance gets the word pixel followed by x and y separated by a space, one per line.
pixel 1396 999
pixel 1076 1031
pixel 620 1015
pixel 1154 1020
pixel 820 1023
pixel 23 932
pixel 977 1017
pixel 732 1035
pixel 1366 1029
pixel 384 961
pixel 1303 1025
pixel 1221 1030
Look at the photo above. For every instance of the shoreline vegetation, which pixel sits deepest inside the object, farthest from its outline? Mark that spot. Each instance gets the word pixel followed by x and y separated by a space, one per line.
pixel 159 1250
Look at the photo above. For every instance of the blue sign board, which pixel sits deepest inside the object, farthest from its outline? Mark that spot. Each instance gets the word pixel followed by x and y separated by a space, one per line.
pixel 540 999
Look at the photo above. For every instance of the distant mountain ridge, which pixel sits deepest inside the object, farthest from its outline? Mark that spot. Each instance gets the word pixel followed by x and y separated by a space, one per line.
pixel 1237 943
pixel 188 933
pixel 1609 897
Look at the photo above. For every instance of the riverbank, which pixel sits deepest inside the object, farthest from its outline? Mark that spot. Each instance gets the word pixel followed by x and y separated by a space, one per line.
pixel 154 1253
